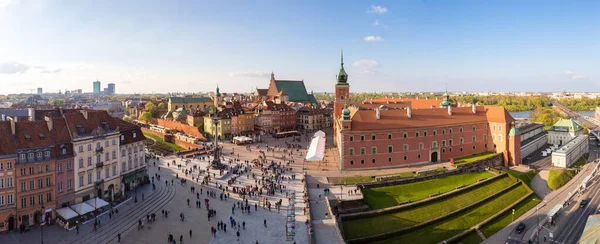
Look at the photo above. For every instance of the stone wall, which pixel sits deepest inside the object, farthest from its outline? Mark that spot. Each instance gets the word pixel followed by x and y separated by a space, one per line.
pixel 495 161
pixel 172 139
pixel 186 129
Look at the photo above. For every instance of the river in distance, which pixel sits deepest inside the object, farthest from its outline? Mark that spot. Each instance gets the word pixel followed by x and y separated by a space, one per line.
pixel 525 114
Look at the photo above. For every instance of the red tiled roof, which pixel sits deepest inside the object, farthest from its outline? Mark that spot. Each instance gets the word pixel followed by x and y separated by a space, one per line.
pixel 60 130
pixel 365 120
pixel 262 92
pixel 498 114
pixel 32 129
pixel 7 141
pixel 414 103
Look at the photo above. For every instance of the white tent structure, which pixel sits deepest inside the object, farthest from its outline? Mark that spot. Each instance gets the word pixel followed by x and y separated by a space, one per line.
pixel 67 213
pixel 82 208
pixel 316 150
pixel 96 202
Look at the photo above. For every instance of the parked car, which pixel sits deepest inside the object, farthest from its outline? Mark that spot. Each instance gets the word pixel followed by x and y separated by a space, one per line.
pixel 520 228
pixel 583 203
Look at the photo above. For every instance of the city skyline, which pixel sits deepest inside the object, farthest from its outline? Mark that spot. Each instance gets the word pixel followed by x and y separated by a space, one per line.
pixel 388 46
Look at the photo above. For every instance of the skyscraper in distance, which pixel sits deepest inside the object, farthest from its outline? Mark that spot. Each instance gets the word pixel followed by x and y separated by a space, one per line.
pixel 97 89
pixel 111 88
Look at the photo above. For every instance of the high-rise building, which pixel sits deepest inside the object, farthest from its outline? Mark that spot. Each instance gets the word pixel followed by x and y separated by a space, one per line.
pixel 111 88
pixel 40 90
pixel 97 89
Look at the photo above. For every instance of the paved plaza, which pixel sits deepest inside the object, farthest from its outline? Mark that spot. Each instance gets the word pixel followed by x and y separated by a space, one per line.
pixel 173 198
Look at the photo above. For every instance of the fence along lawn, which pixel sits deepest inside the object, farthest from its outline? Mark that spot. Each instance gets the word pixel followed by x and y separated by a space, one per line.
pixel 438 232
pixel 393 221
pixel 389 196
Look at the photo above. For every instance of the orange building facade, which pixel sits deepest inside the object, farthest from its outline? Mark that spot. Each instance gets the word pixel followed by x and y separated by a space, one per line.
pixel 391 133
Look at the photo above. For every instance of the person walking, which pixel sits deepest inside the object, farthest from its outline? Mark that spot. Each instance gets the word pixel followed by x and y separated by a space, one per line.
pixel 265 223
pixel 190 233
pixel 213 231
pixel 225 228
pixel 181 238
pixel 244 225
pixel 119 237
pixel 238 235
pixel 77 228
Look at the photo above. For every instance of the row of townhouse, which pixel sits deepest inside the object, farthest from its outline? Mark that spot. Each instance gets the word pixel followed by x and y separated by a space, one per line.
pixel 64 159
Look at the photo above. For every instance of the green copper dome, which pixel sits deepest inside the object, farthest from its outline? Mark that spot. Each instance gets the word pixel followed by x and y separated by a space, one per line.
pixel 446 101
pixel 346 112
pixel 342 76
pixel 513 131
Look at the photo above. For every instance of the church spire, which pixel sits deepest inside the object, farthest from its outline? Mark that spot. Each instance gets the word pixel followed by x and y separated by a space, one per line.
pixel 342 76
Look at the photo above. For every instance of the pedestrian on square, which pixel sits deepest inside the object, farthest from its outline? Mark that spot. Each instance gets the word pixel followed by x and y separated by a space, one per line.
pixel 119 237
pixel 225 228
pixel 190 233
pixel 238 235
pixel 244 225
pixel 181 238
pixel 265 223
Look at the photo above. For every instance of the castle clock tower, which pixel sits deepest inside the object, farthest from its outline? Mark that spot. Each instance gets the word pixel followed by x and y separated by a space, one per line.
pixel 342 95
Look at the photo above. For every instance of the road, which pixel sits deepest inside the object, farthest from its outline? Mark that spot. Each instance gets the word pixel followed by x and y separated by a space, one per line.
pixel 576 116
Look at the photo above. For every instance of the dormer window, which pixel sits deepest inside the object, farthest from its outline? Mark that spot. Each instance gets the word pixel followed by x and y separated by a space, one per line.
pixel 22 156
pixel 42 137
pixel 28 137
pixel 80 129
pixel 104 125
pixel 48 153
pixel 122 137
pixel 30 155
pixel 134 135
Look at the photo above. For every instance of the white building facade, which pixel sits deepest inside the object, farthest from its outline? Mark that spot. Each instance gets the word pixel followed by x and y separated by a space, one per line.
pixel 569 153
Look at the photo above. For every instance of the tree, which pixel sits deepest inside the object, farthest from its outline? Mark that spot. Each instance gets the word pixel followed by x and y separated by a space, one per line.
pixel 146 117
pixel 200 125
pixel 152 109
pixel 127 118
pixel 56 102
pixel 152 98
pixel 162 105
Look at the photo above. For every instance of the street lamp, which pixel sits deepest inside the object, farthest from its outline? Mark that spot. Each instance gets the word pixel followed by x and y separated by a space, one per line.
pixel 537 227
pixel 513 215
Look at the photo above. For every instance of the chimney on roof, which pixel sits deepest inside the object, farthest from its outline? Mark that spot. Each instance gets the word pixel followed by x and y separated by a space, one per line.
pixel 473 109
pixel 377 113
pixel 12 124
pixel 408 112
pixel 31 114
pixel 450 110
pixel 85 113
pixel 49 122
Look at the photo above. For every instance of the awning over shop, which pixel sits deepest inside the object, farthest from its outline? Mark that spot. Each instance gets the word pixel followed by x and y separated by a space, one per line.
pixel 67 213
pixel 316 150
pixel 82 208
pixel 97 202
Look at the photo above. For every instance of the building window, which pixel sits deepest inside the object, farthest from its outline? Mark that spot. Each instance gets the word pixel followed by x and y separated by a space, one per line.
pixel 449 149
pixel 107 172
pixel 23 202
pixel 362 138
pixel 47 153
pixel 81 163
pixel 30 155
pixel 499 137
pixel 351 162
pixel 69 184
pixel 363 151
pixel 443 150
pixel 48 169
pixel 362 161
pixel 493 137
pixel 462 141
pixel 450 142
pixel 9 182
pixel 59 167
pixel 9 165
pixel 32 185
pixel 81 180
pixel 473 147
pixel 351 151
pixel 351 138
pixel 114 154
pixel 389 160
pixel 461 129
pixel 31 201
pixel 48 182
pixel 493 127
pixel 22 156
pixel 461 149
pixel 373 150
pixel 23 186
pixel 434 144
pixel 419 155
pixel 405 157
pixel 390 149
pixel 435 132
pixel 114 167
pixel 443 131
pixel 424 133
pixel 500 128
pixel 23 172
pixel 405 135
pixel 89 161
pixel 106 156
pixel 421 146
pixel 373 160
pixel 485 145
pixel 450 131
pixel 80 148
pixel 89 178
pixel 473 128
pixel 389 136
pixel 373 137
pixel 416 134
pixel 89 147
pixel 473 138
pixel 60 188
pixel 113 142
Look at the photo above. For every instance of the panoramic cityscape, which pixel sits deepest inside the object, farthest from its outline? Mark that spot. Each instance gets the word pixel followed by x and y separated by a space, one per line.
pixel 299 122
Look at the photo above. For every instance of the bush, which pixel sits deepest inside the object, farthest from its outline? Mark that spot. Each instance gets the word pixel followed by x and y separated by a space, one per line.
pixel 559 177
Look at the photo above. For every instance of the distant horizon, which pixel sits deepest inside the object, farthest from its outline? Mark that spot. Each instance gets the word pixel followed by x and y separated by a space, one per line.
pixel 407 46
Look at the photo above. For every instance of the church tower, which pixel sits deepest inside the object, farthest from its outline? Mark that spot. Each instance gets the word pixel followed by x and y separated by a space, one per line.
pixel 217 99
pixel 342 90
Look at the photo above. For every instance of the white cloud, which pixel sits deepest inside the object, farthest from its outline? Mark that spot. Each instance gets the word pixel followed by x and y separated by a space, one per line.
pixel 376 22
pixel 376 9
pixel 255 74
pixel 54 71
pixel 13 67
pixel 373 38
pixel 366 63
pixel 368 71
pixel 574 76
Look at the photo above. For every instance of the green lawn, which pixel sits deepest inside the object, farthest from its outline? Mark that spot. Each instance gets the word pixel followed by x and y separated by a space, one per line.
pixel 158 139
pixel 352 180
pixel 559 177
pixel 473 158
pixel 451 227
pixel 383 197
pixel 525 177
pixel 472 238
pixel 505 219
pixel 393 221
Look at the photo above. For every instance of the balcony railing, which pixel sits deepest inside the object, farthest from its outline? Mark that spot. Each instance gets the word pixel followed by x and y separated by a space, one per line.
pixel 100 165
pixel 99 149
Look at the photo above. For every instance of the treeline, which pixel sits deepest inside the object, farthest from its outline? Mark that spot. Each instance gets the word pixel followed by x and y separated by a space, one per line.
pixel 547 116
pixel 582 104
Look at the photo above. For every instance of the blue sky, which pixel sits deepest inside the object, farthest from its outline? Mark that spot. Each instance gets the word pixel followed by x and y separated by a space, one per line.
pixel 160 46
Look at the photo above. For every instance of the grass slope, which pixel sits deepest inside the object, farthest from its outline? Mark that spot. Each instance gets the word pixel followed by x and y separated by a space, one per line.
pixel 383 197
pixel 446 229
pixel 352 180
pixel 473 158
pixel 525 177
pixel 505 219
pixel 472 238
pixel 160 140
pixel 393 221
pixel 559 177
